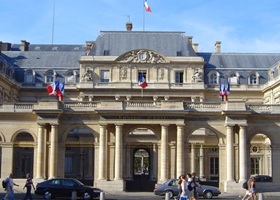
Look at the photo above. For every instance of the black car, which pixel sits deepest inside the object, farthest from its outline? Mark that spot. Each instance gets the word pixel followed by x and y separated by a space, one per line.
pixel 262 178
pixel 64 187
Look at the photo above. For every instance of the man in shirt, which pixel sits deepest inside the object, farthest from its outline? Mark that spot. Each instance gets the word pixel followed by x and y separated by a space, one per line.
pixel 9 188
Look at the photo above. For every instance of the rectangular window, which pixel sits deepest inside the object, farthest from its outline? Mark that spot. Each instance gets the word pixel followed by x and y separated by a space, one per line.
pixel 255 165
pixel 179 53
pixel 214 165
pixel 179 77
pixel 104 76
pixel 106 53
pixel 68 166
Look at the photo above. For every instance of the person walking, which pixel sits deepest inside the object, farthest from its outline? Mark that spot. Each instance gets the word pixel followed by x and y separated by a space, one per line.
pixel 252 188
pixel 185 192
pixel 10 188
pixel 28 185
pixel 195 184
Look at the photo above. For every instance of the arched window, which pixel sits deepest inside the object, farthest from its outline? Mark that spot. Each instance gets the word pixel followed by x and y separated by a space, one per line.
pixel 233 78
pixel 50 76
pixel 71 76
pixel 29 76
pixel 213 77
pixel 253 79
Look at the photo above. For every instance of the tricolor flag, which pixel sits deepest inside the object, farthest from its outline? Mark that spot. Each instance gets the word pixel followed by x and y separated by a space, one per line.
pixel 142 81
pixel 224 90
pixel 56 89
pixel 147 7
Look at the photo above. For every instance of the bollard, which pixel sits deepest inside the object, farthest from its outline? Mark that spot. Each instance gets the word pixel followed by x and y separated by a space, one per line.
pixel 74 195
pixel 260 196
pixel 102 196
pixel 167 196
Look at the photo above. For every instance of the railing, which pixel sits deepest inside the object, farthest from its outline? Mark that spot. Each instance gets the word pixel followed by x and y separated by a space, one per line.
pixel 214 107
pixel 85 106
pixel 17 107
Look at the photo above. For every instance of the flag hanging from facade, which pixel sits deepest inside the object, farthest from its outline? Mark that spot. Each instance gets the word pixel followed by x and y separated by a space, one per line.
pixel 147 7
pixel 224 90
pixel 56 89
pixel 142 81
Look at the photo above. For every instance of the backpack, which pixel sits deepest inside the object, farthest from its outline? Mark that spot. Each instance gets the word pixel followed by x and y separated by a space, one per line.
pixel 190 188
pixel 4 183
pixel 245 185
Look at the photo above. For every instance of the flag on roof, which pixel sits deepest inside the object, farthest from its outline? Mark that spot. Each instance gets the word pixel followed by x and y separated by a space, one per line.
pixel 142 81
pixel 56 89
pixel 147 7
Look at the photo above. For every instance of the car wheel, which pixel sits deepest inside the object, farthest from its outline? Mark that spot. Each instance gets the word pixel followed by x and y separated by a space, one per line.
pixel 86 196
pixel 208 194
pixel 48 195
pixel 170 193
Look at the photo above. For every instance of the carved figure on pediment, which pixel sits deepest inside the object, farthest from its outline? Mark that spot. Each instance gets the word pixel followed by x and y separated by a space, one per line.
pixel 130 57
pixel 123 72
pixel 197 76
pixel 161 74
pixel 86 76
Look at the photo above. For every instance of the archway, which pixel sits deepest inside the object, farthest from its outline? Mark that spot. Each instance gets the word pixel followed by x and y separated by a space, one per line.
pixel 23 155
pixel 141 156
pixel 260 155
pixel 79 154
pixel 204 155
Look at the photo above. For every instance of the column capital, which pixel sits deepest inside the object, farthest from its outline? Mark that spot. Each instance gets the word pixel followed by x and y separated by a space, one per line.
pixel 41 124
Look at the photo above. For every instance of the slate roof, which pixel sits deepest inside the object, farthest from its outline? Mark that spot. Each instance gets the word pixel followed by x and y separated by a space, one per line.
pixel 165 43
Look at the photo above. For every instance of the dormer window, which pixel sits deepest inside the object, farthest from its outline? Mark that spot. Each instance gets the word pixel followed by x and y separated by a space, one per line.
pixel 71 76
pixel 50 76
pixel 233 78
pixel 29 76
pixel 253 79
pixel 179 53
pixel 106 53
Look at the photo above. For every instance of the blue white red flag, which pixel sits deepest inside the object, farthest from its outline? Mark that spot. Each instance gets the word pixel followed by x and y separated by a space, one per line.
pixel 56 89
pixel 142 81
pixel 147 7
pixel 224 90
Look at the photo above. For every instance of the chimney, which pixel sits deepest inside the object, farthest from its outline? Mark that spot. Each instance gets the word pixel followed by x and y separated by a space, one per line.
pixel 190 39
pixel 24 45
pixel 195 47
pixel 218 47
pixel 128 26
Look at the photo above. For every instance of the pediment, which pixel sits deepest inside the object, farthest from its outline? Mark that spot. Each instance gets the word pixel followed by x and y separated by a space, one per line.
pixel 142 56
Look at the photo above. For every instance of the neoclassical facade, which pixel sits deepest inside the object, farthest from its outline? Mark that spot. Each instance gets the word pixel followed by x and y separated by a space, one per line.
pixel 110 132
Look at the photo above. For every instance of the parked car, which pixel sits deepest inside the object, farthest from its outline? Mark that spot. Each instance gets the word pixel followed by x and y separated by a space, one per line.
pixel 171 187
pixel 64 187
pixel 262 178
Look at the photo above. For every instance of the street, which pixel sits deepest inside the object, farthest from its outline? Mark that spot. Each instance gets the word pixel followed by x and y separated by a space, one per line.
pixel 150 195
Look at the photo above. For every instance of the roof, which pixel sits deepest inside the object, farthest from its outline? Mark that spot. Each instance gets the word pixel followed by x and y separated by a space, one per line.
pixel 165 43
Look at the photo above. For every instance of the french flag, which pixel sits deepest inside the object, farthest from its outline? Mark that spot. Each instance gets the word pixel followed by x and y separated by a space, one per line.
pixel 224 90
pixel 142 81
pixel 56 89
pixel 147 7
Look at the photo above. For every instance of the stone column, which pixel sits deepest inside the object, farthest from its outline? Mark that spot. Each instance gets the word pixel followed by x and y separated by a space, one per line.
pixel 180 161
pixel 41 152
pixel 155 163
pixel 242 154
pixel 201 162
pixel 119 153
pixel 53 151
pixel 102 153
pixel 164 152
pixel 7 159
pixel 229 153
pixel 193 160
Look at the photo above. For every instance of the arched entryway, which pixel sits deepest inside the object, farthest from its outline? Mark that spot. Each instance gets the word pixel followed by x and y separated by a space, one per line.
pixel 79 154
pixel 141 157
pixel 23 155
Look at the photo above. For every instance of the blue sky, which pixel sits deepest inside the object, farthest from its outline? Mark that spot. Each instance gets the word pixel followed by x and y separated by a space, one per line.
pixel 241 25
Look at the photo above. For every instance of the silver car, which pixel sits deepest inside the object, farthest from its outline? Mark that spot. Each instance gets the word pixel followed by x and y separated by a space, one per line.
pixel 171 187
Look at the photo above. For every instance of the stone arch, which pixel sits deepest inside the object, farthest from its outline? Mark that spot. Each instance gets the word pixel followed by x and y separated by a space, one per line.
pixel 3 139
pixel 128 129
pixel 17 133
pixel 68 130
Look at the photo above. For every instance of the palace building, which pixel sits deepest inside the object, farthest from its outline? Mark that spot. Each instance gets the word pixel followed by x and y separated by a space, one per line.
pixel 111 132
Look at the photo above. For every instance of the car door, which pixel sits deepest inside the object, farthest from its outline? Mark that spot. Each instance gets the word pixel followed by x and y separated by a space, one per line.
pixel 55 187
pixel 69 186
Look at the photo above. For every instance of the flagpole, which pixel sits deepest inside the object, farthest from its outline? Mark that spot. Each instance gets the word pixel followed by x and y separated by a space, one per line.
pixel 143 16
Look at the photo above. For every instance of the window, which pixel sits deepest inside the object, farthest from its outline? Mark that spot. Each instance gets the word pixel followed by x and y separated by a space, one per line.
pixel 234 78
pixel 106 53
pixel 214 165
pixel 253 79
pixel 213 79
pixel 68 165
pixel 49 76
pixel 255 165
pixel 29 76
pixel 179 77
pixel 179 53
pixel 70 77
pixel 104 76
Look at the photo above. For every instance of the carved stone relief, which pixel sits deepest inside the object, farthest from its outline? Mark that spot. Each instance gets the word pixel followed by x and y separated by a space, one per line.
pixel 142 56
pixel 197 76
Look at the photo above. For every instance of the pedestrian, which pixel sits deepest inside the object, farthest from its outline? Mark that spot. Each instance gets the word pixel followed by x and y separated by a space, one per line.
pixel 248 194
pixel 10 188
pixel 28 185
pixel 179 187
pixel 185 192
pixel 252 188
pixel 195 184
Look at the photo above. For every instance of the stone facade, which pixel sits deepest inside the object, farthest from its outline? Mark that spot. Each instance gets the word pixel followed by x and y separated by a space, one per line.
pixel 110 131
